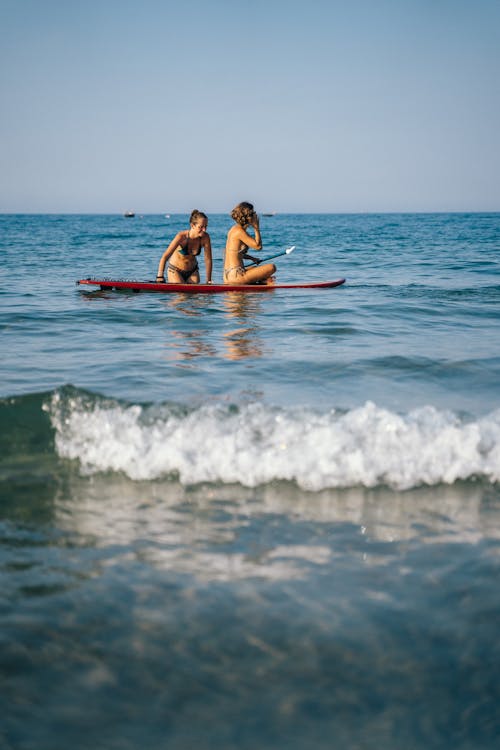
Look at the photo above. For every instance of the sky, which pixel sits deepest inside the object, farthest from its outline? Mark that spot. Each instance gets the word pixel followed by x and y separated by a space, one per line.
pixel 295 105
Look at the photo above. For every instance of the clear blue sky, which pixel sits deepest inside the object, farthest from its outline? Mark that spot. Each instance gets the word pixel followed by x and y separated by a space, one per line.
pixel 310 105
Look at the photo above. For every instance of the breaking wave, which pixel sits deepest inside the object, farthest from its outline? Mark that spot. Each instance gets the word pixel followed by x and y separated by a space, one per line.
pixel 256 444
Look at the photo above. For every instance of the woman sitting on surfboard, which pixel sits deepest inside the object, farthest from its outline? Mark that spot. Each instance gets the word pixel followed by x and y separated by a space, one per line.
pixel 181 253
pixel 237 243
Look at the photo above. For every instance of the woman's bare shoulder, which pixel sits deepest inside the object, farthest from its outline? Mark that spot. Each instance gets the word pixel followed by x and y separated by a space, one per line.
pixel 179 236
pixel 236 232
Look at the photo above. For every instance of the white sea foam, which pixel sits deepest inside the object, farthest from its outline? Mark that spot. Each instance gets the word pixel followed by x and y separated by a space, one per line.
pixel 254 444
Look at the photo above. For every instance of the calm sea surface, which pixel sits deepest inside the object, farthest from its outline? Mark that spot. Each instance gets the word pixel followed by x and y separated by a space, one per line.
pixel 251 521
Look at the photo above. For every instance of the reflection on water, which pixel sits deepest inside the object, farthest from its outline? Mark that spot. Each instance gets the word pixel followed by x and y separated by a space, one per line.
pixel 184 344
pixel 243 341
pixel 187 304
pixel 220 533
pixel 155 615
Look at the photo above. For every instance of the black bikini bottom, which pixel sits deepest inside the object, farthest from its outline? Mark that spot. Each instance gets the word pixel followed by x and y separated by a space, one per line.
pixel 182 272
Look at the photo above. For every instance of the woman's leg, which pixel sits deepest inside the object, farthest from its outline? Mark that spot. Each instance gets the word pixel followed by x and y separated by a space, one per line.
pixel 258 273
pixel 255 275
pixel 174 276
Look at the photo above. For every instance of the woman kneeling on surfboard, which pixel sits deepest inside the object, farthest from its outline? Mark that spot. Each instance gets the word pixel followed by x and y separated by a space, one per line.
pixel 181 253
pixel 237 244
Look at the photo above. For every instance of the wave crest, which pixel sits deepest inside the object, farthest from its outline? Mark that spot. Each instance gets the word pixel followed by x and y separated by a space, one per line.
pixel 255 444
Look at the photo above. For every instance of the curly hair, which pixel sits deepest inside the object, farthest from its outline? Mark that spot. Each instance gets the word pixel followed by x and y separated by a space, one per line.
pixel 243 213
pixel 197 216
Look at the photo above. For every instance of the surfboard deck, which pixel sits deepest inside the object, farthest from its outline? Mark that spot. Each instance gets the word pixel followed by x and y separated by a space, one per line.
pixel 151 286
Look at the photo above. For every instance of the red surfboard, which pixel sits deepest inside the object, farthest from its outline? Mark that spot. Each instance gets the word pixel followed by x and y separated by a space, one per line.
pixel 150 286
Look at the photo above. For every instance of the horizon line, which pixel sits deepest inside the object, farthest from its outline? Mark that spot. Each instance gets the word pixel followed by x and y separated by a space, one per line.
pixel 165 214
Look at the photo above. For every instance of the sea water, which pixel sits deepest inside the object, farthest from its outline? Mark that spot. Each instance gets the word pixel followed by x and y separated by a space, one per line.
pixel 251 521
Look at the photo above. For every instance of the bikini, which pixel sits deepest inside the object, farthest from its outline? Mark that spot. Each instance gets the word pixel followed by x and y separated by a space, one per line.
pixel 240 270
pixel 183 273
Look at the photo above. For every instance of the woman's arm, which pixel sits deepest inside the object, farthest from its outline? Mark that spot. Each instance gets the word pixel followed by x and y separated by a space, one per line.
pixel 254 242
pixel 208 257
pixel 250 257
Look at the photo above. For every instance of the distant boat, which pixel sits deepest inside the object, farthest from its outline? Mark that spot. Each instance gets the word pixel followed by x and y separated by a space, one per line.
pixel 129 214
pixel 271 214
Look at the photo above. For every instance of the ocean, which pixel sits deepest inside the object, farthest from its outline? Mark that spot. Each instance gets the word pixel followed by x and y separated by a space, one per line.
pixel 251 521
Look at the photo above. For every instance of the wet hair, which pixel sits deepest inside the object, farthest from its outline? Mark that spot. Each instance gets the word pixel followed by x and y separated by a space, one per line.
pixel 243 213
pixel 197 216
